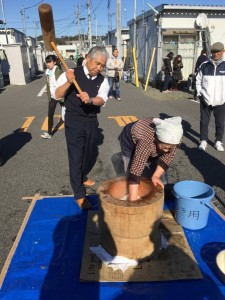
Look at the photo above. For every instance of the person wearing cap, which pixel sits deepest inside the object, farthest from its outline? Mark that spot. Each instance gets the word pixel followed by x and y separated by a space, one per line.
pixel 149 139
pixel 210 85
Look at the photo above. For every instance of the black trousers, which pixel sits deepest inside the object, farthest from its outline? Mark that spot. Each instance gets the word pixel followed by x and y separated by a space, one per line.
pixel 219 115
pixel 81 138
pixel 51 110
pixel 167 81
pixel 174 84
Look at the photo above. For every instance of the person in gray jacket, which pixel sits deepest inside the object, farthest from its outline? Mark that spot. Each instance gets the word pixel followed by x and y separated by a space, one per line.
pixel 210 85
pixel 113 65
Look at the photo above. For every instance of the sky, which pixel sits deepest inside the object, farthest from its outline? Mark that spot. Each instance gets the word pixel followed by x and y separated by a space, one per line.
pixel 64 14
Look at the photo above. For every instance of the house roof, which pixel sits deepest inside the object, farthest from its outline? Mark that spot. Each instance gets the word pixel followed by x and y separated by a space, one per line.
pixel 2 30
pixel 190 7
pixel 180 8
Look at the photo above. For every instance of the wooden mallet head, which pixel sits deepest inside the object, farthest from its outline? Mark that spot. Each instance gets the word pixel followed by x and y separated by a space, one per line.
pixel 47 25
pixel 48 33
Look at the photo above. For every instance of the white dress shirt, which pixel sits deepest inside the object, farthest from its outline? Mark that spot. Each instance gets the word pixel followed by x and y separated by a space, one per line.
pixel 102 92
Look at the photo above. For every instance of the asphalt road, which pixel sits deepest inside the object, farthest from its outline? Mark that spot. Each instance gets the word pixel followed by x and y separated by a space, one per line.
pixel 33 165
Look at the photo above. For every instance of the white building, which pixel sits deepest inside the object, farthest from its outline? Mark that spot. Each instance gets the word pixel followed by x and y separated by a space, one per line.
pixel 18 60
pixel 125 38
pixel 67 50
pixel 14 36
pixel 182 29
pixel 64 50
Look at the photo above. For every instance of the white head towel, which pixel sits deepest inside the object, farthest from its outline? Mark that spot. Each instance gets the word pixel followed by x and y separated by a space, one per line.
pixel 169 130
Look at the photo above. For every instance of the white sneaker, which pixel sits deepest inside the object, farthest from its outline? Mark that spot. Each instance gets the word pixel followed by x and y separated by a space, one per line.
pixel 203 145
pixel 118 99
pixel 46 135
pixel 218 146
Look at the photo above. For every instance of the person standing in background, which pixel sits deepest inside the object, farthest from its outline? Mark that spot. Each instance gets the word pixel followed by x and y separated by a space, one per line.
pixel 85 59
pixel 202 58
pixel 177 73
pixel 210 85
pixel 167 71
pixel 80 60
pixel 114 65
pixel 127 69
pixel 52 74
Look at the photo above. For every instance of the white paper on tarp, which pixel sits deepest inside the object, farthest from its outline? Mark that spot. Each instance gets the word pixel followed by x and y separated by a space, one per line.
pixel 120 262
pixel 116 262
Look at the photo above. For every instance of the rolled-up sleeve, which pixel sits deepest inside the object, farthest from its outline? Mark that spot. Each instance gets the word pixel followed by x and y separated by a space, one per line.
pixel 60 81
pixel 104 90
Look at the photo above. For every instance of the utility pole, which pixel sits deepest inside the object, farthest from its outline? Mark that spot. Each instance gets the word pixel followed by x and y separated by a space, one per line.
pixel 77 15
pixel 89 24
pixel 4 22
pixel 135 27
pixel 22 11
pixel 108 19
pixel 96 29
pixel 111 15
pixel 35 30
pixel 118 25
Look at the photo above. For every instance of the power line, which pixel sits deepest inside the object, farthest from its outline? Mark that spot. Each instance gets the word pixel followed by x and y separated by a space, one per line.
pixel 96 6
pixel 67 27
pixel 64 21
pixel 34 5
pixel 64 18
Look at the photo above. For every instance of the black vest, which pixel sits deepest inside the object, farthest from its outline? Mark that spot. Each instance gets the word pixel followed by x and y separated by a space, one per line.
pixel 74 106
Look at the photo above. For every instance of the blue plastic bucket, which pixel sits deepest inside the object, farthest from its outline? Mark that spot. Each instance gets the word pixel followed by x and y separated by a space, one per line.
pixel 193 201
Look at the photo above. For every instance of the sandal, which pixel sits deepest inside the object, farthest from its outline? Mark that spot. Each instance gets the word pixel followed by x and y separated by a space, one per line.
pixel 89 182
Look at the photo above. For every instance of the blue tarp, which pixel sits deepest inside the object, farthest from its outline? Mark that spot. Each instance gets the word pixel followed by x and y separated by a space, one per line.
pixel 47 261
